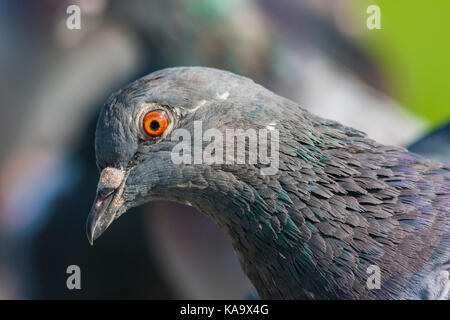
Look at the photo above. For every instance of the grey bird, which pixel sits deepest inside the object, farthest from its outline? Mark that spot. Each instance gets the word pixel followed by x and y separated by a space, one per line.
pixel 340 217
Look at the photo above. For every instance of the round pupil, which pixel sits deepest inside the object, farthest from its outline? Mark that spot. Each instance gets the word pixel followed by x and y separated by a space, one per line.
pixel 154 125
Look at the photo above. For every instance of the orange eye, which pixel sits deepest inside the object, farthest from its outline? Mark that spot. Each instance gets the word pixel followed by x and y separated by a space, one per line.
pixel 155 123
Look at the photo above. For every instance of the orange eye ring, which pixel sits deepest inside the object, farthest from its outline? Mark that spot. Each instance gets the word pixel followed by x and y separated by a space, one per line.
pixel 155 123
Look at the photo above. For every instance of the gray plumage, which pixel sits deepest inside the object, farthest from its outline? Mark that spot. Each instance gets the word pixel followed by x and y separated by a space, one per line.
pixel 339 203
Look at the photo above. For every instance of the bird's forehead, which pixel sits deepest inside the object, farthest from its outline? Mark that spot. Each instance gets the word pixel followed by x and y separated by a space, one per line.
pixel 115 136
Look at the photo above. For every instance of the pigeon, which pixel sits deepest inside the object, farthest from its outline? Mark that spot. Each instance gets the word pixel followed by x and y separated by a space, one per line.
pixel 317 210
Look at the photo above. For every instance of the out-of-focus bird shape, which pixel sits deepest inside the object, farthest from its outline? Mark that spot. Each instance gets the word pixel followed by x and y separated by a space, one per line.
pixel 435 145
pixel 339 203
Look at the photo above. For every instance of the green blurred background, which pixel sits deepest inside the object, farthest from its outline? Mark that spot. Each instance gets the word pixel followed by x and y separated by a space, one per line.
pixel 413 48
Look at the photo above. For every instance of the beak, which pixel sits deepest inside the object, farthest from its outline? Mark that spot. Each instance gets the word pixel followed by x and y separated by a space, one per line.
pixel 106 204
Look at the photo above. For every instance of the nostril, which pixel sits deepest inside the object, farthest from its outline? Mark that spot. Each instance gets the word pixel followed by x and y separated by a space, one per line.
pixel 103 194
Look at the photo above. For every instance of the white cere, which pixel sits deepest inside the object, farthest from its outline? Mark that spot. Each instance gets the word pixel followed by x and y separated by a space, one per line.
pixel 111 178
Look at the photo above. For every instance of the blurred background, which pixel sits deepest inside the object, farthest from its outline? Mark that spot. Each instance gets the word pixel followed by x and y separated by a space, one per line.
pixel 393 83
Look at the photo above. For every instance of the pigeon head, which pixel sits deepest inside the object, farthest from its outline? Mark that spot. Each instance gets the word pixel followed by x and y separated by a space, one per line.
pixel 151 134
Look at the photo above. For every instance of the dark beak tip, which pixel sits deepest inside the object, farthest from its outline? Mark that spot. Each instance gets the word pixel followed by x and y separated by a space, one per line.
pixel 92 231
pixel 90 234
pixel 102 212
pixel 99 219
